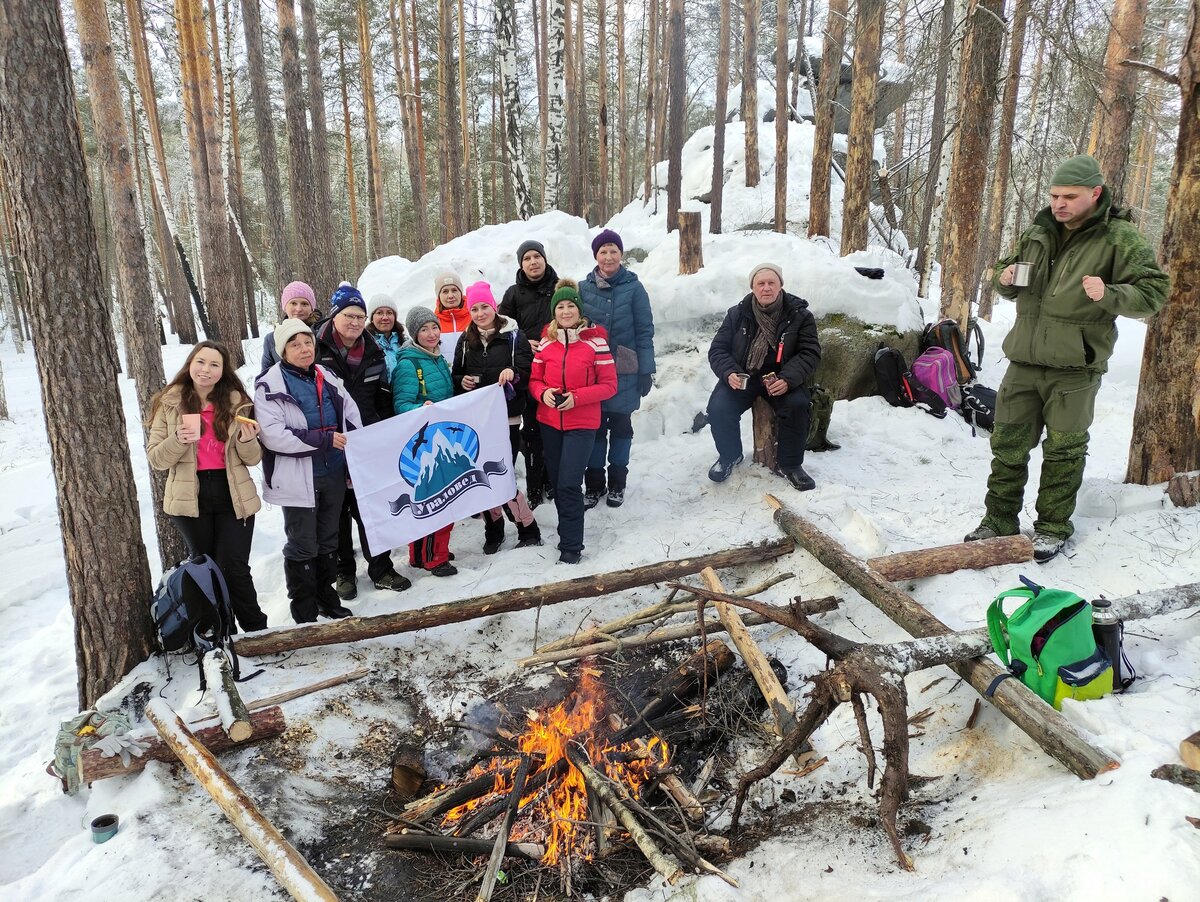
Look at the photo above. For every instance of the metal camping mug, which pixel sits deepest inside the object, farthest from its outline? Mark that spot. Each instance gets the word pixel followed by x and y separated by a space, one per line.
pixel 743 380
pixel 104 828
pixel 1021 273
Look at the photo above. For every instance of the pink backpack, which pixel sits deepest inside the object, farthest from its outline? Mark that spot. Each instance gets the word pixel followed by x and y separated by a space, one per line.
pixel 936 370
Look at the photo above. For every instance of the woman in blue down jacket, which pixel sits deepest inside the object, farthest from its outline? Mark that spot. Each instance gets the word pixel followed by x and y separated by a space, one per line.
pixel 614 299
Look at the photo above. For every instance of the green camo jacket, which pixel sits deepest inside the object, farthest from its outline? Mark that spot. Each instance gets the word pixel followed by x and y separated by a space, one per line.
pixel 1057 324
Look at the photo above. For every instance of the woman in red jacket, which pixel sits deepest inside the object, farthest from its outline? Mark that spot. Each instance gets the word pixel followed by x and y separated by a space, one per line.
pixel 572 373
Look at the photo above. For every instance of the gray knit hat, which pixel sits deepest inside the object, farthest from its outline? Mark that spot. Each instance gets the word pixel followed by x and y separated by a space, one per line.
pixel 1079 170
pixel 286 330
pixel 416 318
pixel 529 245
pixel 771 266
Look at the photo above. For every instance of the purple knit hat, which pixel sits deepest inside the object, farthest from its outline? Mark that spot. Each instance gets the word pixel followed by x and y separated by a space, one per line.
pixel 608 236
pixel 297 290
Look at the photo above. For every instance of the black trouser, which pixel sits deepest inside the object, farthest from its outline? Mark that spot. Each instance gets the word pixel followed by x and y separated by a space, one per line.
pixel 377 565
pixel 531 437
pixel 226 539
pixel 792 413
pixel 566 459
pixel 313 531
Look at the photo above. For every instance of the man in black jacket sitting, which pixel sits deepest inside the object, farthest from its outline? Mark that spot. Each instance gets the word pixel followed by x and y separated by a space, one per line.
pixel 766 347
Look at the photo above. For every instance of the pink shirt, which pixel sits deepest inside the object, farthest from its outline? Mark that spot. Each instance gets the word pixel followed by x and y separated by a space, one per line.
pixel 210 450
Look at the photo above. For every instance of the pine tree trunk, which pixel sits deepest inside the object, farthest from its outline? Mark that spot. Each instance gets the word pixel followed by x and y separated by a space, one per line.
pixel 209 177
pixel 553 162
pixel 602 110
pixel 831 74
pixel 451 155
pixel 8 254
pixel 968 174
pixel 624 188
pixel 465 141
pixel 994 223
pixel 323 202
pixel 901 58
pixel 378 239
pixel 506 49
pixel 1148 136
pixel 677 101
pixel 424 236
pixel 357 251
pixel 264 129
pixel 651 100
pixel 860 141
pixel 717 192
pixel 750 11
pixel 108 578
pixel 410 127
pixel 1112 128
pixel 782 115
pixel 1166 419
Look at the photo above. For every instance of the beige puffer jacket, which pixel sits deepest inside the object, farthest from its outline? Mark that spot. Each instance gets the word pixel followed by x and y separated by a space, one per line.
pixel 166 452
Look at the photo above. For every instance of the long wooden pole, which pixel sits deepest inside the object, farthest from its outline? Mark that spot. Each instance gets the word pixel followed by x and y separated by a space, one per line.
pixel 289 867
pixel 352 629
pixel 1045 726
pixel 950 558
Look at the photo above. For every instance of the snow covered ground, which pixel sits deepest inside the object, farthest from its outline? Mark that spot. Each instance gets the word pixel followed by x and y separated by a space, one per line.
pixel 1006 822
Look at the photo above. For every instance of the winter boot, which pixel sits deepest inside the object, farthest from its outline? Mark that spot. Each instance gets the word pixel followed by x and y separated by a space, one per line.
pixel 493 533
pixel 800 480
pixel 328 603
pixel 720 471
pixel 346 586
pixel 980 533
pixel 301 579
pixel 593 488
pixel 528 535
pixel 1046 547
pixel 616 485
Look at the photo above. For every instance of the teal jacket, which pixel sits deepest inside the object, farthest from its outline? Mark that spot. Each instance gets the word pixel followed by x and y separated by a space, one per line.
pixel 1057 324
pixel 419 376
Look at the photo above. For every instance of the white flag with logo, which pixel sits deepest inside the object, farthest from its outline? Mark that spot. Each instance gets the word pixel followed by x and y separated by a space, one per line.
pixel 419 471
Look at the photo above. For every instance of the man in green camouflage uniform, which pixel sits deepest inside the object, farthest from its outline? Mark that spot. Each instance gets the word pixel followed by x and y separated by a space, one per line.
pixel 1089 266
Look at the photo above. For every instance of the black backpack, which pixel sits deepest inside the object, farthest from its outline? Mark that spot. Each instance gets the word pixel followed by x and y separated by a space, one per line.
pixel 192 613
pixel 901 388
pixel 946 334
pixel 979 407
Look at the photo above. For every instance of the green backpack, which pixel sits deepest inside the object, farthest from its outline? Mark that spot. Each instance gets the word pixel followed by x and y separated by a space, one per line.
pixel 1048 644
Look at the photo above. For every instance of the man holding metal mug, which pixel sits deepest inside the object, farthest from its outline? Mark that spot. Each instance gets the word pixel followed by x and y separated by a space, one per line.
pixel 1080 265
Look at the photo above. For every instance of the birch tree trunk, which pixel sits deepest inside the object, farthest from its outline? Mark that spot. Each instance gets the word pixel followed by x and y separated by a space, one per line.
pixel 782 115
pixel 108 578
pixel 1166 419
pixel 968 175
pixel 553 162
pixel 1112 129
pixel 541 55
pixel 750 10
pixel 506 48
pixel 901 58
pixel 717 192
pixel 320 152
pixel 831 73
pixel 860 141
pixel 580 115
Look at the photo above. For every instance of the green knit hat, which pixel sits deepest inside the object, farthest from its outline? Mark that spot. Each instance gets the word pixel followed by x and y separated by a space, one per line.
pixel 1081 170
pixel 567 290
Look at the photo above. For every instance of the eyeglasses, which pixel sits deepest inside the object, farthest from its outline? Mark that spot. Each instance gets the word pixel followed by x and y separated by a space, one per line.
pixel 354 318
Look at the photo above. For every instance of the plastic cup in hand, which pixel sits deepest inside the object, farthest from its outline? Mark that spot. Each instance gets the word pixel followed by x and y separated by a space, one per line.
pixel 1021 274
pixel 191 423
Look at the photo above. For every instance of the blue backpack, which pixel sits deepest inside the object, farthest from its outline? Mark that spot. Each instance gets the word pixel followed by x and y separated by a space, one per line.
pixel 192 613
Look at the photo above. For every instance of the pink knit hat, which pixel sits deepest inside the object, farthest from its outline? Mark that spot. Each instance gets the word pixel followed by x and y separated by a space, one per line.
pixel 480 293
pixel 298 290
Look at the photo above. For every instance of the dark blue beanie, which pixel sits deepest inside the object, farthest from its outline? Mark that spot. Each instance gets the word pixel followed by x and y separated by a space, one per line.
pixel 346 295
pixel 608 236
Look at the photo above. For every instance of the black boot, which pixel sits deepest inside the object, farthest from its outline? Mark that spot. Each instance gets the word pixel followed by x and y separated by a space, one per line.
pixel 493 533
pixel 301 579
pixel 593 488
pixel 528 535
pixel 328 603
pixel 616 485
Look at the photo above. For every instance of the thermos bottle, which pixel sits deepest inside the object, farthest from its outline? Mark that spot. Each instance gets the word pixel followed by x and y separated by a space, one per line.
pixel 1106 627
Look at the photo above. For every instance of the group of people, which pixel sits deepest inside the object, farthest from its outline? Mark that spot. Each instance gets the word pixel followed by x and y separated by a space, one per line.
pixel 574 361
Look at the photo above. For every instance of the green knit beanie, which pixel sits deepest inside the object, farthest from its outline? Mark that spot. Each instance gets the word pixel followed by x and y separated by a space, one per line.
pixel 566 291
pixel 1081 170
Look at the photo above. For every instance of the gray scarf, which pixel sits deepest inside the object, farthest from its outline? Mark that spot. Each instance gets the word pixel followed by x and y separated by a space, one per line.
pixel 768 319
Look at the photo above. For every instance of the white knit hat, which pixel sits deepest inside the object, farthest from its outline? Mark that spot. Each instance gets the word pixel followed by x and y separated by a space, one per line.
pixel 377 301
pixel 285 331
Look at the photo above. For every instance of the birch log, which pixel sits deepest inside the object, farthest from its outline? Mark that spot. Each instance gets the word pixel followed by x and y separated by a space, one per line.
pixel 235 717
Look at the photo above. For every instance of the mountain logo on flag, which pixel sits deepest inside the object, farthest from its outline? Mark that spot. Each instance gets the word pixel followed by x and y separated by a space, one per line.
pixel 441 462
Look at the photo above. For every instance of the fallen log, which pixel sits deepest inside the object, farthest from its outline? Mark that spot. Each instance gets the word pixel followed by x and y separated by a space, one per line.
pixel 1047 727
pixel 279 698
pixel 232 711
pixel 768 683
pixel 703 664
pixel 289 867
pixel 949 558
pixel 263 725
pixel 1179 775
pixel 448 797
pixel 462 845
pixel 353 629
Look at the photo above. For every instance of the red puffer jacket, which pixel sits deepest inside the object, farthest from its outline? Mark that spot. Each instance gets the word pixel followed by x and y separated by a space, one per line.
pixel 577 361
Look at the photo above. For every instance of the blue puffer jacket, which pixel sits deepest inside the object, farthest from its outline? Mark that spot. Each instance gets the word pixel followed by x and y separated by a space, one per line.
pixel 419 377
pixel 622 308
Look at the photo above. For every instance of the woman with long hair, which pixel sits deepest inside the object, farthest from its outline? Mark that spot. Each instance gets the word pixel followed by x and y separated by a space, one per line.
pixel 493 351
pixel 203 433
pixel 572 374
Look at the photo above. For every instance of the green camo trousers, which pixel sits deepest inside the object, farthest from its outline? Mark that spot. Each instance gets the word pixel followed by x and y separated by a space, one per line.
pixel 1030 398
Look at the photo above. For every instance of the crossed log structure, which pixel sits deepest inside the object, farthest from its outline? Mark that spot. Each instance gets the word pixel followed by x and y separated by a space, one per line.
pixel 879 671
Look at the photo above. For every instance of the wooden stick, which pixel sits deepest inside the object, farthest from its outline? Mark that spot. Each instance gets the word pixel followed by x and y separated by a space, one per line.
pixel 667 866
pixel 92 766
pixel 353 629
pixel 768 683
pixel 510 815
pixel 670 783
pixel 289 867
pixel 1189 751
pixel 235 717
pixel 448 797
pixel 463 845
pixel 949 558
pixel 1047 727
